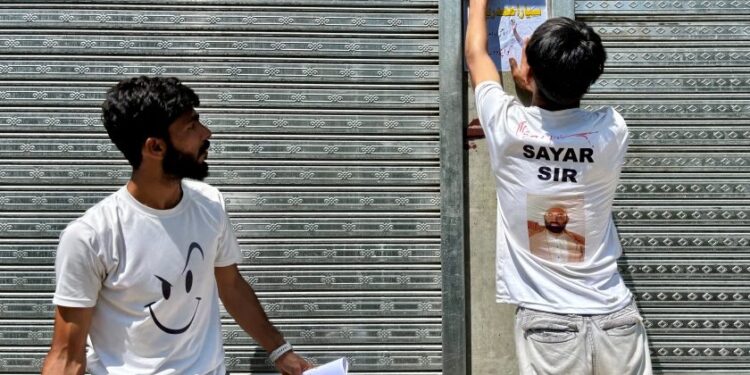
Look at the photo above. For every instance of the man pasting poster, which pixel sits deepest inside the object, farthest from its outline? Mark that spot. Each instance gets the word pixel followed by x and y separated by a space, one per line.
pixel 556 168
pixel 509 22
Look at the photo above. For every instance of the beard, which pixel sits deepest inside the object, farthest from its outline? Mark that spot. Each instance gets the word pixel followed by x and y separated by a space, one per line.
pixel 554 227
pixel 181 165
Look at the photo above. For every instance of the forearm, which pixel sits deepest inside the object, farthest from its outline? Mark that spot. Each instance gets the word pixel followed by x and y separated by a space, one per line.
pixel 481 67
pixel 63 360
pixel 242 303
pixel 67 354
pixel 476 30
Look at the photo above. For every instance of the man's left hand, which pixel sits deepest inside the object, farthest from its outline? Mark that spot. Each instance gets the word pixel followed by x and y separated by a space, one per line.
pixel 292 364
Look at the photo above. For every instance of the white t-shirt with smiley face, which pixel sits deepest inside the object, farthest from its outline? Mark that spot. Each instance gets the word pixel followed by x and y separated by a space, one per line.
pixel 149 274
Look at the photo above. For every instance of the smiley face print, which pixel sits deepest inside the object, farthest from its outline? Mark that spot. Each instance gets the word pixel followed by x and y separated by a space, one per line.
pixel 182 285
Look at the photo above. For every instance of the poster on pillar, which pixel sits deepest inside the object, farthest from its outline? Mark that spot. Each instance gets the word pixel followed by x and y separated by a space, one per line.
pixel 509 23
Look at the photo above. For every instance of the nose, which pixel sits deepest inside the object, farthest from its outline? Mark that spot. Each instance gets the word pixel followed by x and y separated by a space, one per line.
pixel 207 131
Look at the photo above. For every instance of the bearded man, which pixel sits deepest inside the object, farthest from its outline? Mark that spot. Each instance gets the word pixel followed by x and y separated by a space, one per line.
pixel 140 274
pixel 552 241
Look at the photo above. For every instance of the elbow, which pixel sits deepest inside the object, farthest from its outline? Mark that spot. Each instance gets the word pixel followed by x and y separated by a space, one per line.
pixel 472 56
pixel 228 294
pixel 469 56
pixel 469 52
pixel 224 297
pixel 474 47
pixel 474 52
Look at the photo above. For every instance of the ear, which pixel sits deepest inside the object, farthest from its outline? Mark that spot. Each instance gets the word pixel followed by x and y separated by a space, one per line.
pixel 528 77
pixel 154 148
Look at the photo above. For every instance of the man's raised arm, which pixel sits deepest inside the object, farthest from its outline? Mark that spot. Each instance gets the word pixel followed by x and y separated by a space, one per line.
pixel 481 66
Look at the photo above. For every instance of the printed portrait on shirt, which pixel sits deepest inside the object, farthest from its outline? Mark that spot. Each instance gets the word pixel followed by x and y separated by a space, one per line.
pixel 556 228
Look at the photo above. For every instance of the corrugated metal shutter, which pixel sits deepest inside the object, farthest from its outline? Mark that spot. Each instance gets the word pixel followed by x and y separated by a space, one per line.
pixel 325 117
pixel 678 72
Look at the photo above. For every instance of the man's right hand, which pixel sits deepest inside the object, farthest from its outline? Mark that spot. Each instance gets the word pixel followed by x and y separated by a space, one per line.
pixel 519 77
pixel 292 364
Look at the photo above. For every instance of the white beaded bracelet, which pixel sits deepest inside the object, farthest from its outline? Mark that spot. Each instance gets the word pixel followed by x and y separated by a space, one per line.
pixel 278 352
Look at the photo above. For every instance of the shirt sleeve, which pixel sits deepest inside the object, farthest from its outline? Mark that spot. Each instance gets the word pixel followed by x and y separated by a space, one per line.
pixel 79 272
pixel 492 108
pixel 623 137
pixel 228 251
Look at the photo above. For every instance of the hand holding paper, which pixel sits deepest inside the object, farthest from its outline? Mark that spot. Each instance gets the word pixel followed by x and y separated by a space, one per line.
pixel 337 367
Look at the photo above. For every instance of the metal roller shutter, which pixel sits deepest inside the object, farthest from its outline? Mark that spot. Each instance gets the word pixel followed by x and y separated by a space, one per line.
pixel 678 72
pixel 326 144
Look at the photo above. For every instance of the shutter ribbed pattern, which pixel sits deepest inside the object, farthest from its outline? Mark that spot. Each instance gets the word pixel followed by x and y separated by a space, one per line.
pixel 678 72
pixel 325 117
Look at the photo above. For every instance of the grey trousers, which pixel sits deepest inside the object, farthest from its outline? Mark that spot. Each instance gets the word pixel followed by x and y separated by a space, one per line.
pixel 568 344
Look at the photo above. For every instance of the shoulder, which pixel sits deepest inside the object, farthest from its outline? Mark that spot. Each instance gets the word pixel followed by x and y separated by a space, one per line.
pixel 204 194
pixel 202 190
pixel 488 85
pixel 99 217
pixel 495 109
pixel 491 90
pixel 609 124
pixel 620 128
pixel 80 229
pixel 610 116
pixel 94 227
pixel 617 118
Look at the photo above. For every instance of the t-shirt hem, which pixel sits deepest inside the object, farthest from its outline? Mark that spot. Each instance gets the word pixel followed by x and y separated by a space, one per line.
pixel 561 309
pixel 72 302
pixel 220 369
pixel 227 263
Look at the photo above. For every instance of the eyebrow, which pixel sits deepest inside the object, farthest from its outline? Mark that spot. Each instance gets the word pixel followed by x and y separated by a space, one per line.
pixel 193 246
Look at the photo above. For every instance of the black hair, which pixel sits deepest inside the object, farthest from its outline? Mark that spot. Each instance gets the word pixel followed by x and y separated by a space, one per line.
pixel 141 107
pixel 566 57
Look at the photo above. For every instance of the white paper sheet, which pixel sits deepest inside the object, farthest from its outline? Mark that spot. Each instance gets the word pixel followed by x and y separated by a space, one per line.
pixel 337 367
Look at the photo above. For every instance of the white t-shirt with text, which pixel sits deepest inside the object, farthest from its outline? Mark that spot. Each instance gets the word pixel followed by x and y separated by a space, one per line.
pixel 149 274
pixel 556 173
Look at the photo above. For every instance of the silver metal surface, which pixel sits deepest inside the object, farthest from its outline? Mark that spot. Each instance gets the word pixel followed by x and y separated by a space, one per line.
pixel 174 44
pixel 561 8
pixel 371 360
pixel 259 148
pixel 328 147
pixel 237 121
pixel 382 333
pixel 675 55
pixel 299 307
pixel 677 73
pixel 387 252
pixel 232 4
pixel 655 8
pixel 453 227
pixel 245 201
pixel 243 19
pixel 242 69
pixel 273 96
pixel 85 172
pixel 282 225
pixel 277 279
